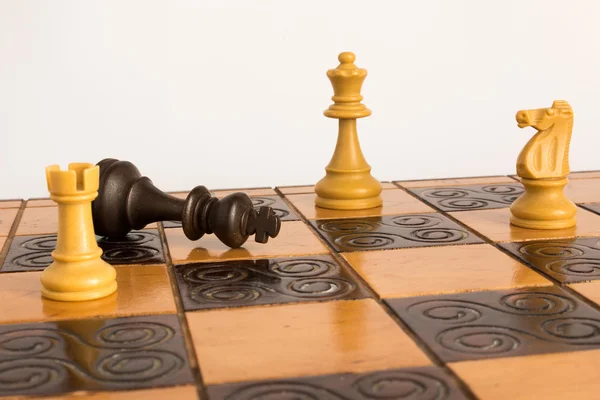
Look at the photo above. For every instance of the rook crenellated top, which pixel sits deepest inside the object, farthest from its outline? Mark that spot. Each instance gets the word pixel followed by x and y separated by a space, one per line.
pixel 80 178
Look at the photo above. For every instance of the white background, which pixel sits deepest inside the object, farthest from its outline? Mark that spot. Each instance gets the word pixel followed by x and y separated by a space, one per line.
pixel 231 93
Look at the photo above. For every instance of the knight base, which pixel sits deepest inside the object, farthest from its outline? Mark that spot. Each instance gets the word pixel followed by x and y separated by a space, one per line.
pixel 543 205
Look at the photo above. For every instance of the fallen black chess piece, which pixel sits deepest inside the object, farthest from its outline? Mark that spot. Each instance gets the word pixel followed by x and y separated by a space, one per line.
pixel 127 201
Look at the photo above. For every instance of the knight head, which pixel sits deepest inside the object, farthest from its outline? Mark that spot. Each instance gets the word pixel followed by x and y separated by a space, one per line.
pixel 543 118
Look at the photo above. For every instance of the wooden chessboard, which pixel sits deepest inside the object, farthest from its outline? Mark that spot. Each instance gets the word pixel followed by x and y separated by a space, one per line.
pixel 431 296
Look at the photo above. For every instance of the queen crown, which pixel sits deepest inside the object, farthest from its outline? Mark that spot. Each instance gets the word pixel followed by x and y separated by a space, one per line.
pixel 347 80
pixel 80 178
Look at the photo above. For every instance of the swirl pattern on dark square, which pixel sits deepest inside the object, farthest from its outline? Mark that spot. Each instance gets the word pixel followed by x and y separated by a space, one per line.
pixel 567 260
pixel 33 253
pixel 279 206
pixel 494 324
pixel 471 197
pixel 266 281
pixel 95 354
pixel 422 383
pixel 391 232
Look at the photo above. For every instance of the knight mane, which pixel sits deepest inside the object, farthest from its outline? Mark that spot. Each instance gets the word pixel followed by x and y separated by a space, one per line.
pixel 565 109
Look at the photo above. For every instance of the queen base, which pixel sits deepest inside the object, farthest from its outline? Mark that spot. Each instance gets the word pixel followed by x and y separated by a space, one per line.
pixel 353 204
pixel 348 190
pixel 543 206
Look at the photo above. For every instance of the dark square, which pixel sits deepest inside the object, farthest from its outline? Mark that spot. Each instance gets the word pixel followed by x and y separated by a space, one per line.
pixel 265 281
pixel 567 260
pixel 470 197
pixel 33 253
pixel 278 205
pixel 508 323
pixel 407 383
pixel 93 354
pixel 393 232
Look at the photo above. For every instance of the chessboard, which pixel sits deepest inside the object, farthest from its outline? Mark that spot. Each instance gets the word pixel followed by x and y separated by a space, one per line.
pixel 433 295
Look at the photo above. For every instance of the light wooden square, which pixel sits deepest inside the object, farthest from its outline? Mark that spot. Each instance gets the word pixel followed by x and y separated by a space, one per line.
pixel 225 192
pixel 10 204
pixel 41 203
pixel 583 190
pixel 38 221
pixel 584 175
pixel 441 270
pixel 495 225
pixel 297 189
pixel 141 290
pixel 591 290
pixel 457 181
pixel 295 238
pixel 43 220
pixel 311 188
pixel 395 201
pixel 7 218
pixel 303 339
pixel 250 192
pixel 556 376
pixel 157 393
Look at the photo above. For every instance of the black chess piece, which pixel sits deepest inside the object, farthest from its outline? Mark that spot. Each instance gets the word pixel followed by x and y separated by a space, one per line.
pixel 127 201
